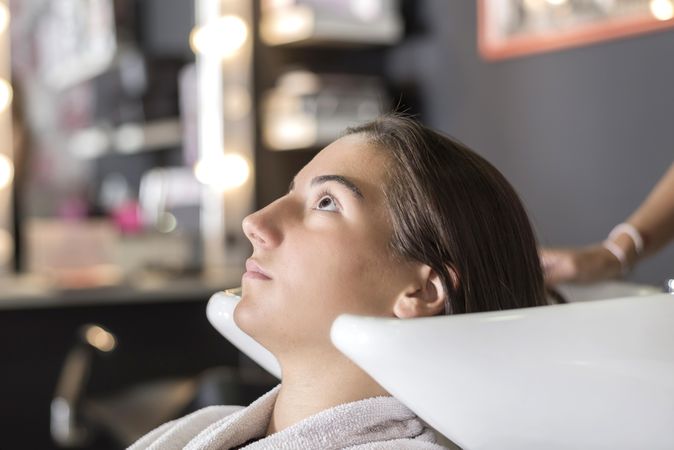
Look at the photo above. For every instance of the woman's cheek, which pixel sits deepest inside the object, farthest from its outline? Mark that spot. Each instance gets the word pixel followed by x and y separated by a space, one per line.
pixel 335 266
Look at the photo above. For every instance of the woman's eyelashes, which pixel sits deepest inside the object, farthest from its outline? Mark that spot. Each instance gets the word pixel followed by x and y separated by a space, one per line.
pixel 327 202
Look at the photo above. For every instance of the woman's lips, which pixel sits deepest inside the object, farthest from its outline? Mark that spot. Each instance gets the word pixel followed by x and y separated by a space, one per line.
pixel 253 270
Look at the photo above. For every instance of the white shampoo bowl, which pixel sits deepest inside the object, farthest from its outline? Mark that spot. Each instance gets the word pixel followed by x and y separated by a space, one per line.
pixel 220 312
pixel 588 375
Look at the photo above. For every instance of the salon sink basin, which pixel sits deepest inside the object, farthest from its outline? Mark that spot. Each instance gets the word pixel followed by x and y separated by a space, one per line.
pixel 592 374
pixel 597 374
pixel 220 312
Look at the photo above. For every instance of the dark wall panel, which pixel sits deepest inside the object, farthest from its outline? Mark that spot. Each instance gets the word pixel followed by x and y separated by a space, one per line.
pixel 583 133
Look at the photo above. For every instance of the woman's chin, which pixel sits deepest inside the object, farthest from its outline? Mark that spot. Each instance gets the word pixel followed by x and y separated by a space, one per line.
pixel 243 316
pixel 250 317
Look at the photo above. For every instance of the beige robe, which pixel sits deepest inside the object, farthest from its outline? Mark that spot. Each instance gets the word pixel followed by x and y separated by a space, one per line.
pixel 374 423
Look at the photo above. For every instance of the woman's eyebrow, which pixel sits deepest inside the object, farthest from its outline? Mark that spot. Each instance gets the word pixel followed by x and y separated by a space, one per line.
pixel 339 179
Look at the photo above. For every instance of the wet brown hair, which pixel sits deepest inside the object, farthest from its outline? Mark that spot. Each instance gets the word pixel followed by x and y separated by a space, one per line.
pixel 453 210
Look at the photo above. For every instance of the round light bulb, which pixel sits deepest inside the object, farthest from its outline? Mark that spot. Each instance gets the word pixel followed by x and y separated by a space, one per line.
pixel 662 9
pixel 223 172
pixel 6 171
pixel 222 37
pixel 5 94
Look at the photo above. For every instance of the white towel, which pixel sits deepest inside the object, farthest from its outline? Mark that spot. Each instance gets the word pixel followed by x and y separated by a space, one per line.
pixel 370 424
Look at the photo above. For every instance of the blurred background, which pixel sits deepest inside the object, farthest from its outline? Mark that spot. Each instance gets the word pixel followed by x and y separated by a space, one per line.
pixel 135 135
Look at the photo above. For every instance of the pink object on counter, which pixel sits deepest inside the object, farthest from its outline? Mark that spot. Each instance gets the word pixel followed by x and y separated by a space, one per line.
pixel 127 217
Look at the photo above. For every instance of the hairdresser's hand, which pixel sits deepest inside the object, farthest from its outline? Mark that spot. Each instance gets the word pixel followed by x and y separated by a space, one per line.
pixel 584 265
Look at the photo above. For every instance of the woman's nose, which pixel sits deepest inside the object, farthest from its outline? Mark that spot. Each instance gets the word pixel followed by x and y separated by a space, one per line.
pixel 261 229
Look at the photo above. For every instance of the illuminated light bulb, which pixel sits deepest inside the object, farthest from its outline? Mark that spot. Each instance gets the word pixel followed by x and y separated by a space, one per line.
pixel 236 102
pixel 662 9
pixel 6 171
pixel 5 94
pixel 99 338
pixel 222 37
pixel 222 172
pixel 4 17
pixel 556 2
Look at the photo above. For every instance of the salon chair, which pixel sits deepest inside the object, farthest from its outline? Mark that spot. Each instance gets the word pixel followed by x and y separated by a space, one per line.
pixel 592 374
pixel 116 419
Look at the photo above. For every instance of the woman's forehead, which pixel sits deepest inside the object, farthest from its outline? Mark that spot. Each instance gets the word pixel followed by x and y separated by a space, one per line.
pixel 351 156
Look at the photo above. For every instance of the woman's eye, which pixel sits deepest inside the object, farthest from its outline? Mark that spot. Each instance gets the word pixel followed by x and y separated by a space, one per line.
pixel 327 203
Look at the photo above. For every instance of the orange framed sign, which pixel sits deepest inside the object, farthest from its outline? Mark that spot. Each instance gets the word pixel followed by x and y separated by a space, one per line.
pixel 512 28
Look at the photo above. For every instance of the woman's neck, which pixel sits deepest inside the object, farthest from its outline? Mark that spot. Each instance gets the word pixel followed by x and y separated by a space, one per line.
pixel 308 389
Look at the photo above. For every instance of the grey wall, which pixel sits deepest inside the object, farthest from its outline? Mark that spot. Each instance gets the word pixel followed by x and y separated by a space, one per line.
pixel 165 27
pixel 583 134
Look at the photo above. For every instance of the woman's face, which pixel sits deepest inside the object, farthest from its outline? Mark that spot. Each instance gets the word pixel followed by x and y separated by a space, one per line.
pixel 324 250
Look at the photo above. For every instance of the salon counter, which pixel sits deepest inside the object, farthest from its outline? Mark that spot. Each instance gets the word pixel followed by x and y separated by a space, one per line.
pixel 28 292
pixel 161 329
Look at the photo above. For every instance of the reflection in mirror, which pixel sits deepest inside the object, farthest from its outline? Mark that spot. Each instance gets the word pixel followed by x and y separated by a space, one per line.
pixel 106 190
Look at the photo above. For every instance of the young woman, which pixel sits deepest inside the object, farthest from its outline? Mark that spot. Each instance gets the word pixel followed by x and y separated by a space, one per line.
pixel 392 220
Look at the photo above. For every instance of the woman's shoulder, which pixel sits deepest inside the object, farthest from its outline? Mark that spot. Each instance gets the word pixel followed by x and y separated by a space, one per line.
pixel 178 432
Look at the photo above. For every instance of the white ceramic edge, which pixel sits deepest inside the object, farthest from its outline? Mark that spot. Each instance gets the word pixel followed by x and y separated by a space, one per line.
pixel 220 312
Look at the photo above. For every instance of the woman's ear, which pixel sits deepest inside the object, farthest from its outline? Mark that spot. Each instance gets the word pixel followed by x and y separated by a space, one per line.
pixel 426 298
